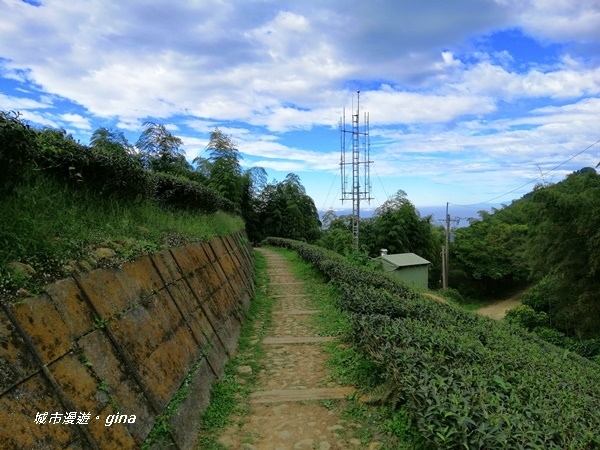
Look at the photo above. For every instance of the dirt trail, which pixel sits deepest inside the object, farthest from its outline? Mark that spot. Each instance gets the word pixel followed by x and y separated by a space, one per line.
pixel 497 310
pixel 290 409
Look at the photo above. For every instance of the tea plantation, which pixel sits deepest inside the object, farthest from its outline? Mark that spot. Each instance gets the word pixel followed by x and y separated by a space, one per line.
pixel 468 382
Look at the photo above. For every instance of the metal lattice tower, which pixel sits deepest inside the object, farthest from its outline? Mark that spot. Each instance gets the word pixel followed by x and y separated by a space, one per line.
pixel 359 162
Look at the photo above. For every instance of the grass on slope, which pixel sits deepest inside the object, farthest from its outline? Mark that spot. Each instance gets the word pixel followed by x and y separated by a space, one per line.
pixel 55 229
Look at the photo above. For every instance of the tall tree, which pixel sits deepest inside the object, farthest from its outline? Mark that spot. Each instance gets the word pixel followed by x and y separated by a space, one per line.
pixel 398 227
pixel 491 253
pixel 550 238
pixel 161 149
pixel 223 166
pixel 564 250
pixel 112 142
pixel 337 233
pixel 17 144
pixel 254 182
pixel 288 212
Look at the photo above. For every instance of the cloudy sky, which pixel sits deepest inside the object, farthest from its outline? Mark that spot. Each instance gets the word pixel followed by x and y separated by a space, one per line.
pixel 467 99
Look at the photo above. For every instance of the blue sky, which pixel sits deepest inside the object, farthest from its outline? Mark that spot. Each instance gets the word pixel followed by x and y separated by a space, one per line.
pixel 467 99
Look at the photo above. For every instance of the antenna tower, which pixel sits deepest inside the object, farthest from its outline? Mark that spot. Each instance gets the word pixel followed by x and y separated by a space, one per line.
pixel 356 166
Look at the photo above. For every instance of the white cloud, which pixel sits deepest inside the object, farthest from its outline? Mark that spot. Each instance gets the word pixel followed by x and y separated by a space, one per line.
pixel 77 121
pixel 12 103
pixel 560 19
pixel 39 119
pixel 277 151
pixel 408 107
pixel 282 166
pixel 260 69
pixel 486 78
pixel 283 68
pixel 226 61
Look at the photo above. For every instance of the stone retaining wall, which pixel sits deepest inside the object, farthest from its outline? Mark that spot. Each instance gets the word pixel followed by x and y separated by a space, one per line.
pixel 123 341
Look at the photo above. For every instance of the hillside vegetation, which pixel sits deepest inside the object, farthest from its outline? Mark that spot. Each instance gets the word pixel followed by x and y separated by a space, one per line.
pixel 466 381
pixel 550 240
pixel 546 244
pixel 66 206
pixel 396 226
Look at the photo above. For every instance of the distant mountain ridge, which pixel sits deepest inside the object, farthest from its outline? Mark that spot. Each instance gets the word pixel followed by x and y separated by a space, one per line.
pixel 438 212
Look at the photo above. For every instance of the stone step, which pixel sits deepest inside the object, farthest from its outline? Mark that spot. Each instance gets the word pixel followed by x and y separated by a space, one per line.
pixel 297 340
pixel 289 295
pixel 299 395
pixel 296 312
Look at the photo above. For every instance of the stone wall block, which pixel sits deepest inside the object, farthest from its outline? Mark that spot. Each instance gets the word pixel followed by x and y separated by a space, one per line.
pixel 192 311
pixel 212 257
pixel 216 354
pixel 18 409
pixel 186 417
pixel 16 360
pixel 167 266
pixel 141 330
pixel 123 341
pixel 243 273
pixel 43 323
pixel 112 291
pixel 72 307
pixel 87 395
pixel 229 331
pixel 189 258
pixel 104 363
pixel 166 368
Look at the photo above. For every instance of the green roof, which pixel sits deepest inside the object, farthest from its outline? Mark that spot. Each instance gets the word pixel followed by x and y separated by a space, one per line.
pixel 404 260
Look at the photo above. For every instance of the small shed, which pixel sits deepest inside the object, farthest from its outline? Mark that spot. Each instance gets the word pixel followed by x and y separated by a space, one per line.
pixel 408 267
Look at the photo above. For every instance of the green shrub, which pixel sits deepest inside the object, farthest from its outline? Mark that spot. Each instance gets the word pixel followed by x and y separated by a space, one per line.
pixel 17 145
pixel 454 295
pixel 119 176
pixel 585 347
pixel 552 336
pixel 542 295
pixel 526 317
pixel 181 193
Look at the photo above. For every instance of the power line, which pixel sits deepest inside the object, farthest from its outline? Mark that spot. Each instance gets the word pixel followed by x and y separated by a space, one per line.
pixel 387 198
pixel 382 187
pixel 535 179
pixel 330 187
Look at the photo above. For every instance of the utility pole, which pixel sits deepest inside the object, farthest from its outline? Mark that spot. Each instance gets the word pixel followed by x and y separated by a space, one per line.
pixel 360 158
pixel 446 249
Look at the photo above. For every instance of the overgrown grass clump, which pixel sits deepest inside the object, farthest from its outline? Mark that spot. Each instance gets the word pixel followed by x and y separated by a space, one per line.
pixel 60 200
pixel 229 395
pixel 49 225
pixel 465 381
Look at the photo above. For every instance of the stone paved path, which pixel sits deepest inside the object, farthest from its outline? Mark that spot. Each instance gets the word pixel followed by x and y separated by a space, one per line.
pixel 291 409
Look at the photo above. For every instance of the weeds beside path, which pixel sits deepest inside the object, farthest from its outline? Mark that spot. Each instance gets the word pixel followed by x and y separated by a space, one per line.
pixel 295 403
pixel 289 385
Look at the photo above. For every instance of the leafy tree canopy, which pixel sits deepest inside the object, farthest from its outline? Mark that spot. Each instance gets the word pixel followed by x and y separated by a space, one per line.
pixel 111 141
pixel 161 149
pixel 551 238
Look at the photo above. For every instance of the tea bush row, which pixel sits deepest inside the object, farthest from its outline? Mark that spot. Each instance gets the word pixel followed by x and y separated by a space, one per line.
pixel 25 151
pixel 468 382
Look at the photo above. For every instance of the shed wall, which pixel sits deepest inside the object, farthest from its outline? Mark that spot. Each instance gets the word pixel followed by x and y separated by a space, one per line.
pixel 417 275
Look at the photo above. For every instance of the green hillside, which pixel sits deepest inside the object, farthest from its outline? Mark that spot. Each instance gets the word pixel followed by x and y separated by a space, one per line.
pixel 466 381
